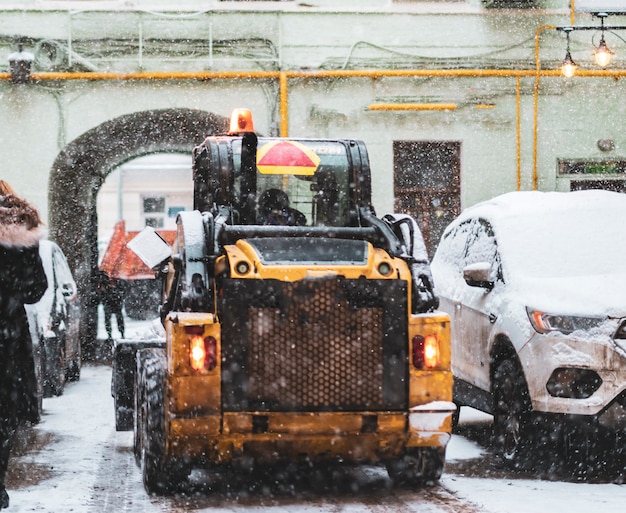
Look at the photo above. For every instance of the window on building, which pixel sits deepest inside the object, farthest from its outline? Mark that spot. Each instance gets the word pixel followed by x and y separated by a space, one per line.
pixel 594 174
pixel 173 211
pixel 154 211
pixel 591 167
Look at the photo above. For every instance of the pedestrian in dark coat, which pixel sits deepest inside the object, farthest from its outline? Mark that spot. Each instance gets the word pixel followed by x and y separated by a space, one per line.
pixel 22 280
pixel 111 293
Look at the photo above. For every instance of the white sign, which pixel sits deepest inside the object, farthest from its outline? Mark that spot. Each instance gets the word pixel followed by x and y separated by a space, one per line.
pixel 607 6
pixel 150 247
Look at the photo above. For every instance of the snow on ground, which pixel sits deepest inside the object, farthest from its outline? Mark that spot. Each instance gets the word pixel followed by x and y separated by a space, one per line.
pixel 531 496
pixel 517 495
pixel 81 461
pixel 80 429
pixel 86 466
pixel 81 426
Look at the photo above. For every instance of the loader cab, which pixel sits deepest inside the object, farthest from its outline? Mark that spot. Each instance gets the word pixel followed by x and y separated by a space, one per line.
pixel 296 182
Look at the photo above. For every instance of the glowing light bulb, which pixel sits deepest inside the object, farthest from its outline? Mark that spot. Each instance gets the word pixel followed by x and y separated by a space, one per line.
pixel 602 55
pixel 569 67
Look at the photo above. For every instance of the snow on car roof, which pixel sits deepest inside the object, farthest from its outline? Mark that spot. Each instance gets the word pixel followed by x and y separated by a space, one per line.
pixel 561 250
pixel 513 204
pixel 558 233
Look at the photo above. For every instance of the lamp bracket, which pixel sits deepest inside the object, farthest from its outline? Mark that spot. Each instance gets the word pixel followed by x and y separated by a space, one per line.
pixel 570 28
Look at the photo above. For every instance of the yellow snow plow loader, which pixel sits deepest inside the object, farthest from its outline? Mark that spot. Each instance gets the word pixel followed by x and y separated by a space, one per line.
pixel 300 327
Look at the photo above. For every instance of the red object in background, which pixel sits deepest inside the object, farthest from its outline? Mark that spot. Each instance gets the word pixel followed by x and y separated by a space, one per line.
pixel 120 262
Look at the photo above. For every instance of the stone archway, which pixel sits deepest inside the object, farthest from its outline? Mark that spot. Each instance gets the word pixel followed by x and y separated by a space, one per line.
pixel 81 168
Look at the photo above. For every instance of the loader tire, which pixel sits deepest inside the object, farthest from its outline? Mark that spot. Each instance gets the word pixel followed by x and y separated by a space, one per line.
pixel 160 474
pixel 138 401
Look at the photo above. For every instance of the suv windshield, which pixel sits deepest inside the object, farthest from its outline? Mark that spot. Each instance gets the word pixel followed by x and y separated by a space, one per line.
pixel 299 182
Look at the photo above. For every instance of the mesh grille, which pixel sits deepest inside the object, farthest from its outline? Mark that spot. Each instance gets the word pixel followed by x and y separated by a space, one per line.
pixel 317 352
pixel 314 345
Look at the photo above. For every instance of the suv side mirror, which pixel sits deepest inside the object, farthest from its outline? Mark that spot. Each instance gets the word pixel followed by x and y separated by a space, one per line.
pixel 478 275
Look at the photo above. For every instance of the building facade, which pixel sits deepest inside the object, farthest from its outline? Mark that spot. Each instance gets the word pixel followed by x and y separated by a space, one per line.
pixel 457 100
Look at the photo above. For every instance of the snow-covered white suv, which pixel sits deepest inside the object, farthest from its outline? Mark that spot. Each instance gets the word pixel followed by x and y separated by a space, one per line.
pixel 54 324
pixel 535 285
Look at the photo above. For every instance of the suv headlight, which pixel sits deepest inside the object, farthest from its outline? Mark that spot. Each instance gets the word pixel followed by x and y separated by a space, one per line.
pixel 544 322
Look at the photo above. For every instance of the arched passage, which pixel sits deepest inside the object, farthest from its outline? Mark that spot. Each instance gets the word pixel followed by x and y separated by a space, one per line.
pixel 81 168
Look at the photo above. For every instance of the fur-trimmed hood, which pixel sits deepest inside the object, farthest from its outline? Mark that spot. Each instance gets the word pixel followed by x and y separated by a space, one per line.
pixel 16 223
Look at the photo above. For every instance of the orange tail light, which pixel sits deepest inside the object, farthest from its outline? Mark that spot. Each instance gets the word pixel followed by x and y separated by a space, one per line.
pixel 202 351
pixel 425 352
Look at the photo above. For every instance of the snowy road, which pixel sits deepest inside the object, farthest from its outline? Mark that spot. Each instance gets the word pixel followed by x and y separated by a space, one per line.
pixel 77 462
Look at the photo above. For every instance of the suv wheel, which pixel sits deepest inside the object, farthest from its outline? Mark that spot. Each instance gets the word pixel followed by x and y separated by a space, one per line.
pixel 456 416
pixel 512 414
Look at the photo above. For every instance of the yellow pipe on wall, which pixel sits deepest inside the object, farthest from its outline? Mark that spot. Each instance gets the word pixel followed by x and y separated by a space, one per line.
pixel 518 131
pixel 276 75
pixel 429 73
pixel 273 75
pixel 284 105
pixel 412 106
pixel 154 75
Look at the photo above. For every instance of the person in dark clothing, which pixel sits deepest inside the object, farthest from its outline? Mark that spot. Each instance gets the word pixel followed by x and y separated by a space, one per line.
pixel 274 210
pixel 111 292
pixel 22 280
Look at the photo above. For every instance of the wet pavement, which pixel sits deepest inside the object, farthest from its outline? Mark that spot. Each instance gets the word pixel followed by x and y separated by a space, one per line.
pixel 75 461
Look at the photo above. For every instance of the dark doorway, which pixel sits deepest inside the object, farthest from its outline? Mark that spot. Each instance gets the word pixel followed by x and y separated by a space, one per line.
pixel 80 169
pixel 427 184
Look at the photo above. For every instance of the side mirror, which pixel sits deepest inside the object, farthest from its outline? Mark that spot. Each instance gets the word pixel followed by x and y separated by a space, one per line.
pixel 479 275
pixel 67 290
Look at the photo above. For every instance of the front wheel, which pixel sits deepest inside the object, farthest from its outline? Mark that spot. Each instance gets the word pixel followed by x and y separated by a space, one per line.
pixel 138 410
pixel 419 466
pixel 161 475
pixel 512 414
pixel 456 415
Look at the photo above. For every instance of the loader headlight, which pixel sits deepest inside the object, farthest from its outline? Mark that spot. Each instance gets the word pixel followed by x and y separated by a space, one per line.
pixel 384 268
pixel 242 268
pixel 544 322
